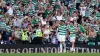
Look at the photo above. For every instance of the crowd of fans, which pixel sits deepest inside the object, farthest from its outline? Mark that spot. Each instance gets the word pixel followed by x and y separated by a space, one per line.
pixel 37 21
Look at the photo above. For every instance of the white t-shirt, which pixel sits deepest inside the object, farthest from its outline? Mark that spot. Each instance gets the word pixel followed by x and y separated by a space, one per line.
pixel 73 18
pixel 16 34
pixel 82 11
pixel 17 22
pixel 59 17
pixel 47 31
pixel 20 22
pixel 53 18
pixel 43 22
pixel 10 11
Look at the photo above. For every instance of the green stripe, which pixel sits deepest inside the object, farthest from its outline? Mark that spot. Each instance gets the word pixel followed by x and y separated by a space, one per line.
pixel 2 25
pixel 8 28
pixel 62 30
pixel 72 29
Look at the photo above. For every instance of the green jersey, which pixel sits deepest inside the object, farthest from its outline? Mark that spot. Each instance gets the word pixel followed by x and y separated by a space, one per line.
pixel 47 12
pixel 62 30
pixel 72 30
pixel 98 15
pixel 2 25
pixel 8 28
pixel 35 21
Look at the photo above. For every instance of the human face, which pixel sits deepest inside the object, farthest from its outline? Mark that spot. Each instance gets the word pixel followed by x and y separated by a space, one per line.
pixel 71 24
pixel 62 4
pixel 92 29
pixel 58 13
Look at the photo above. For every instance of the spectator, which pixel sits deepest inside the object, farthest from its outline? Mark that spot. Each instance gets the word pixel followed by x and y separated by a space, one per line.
pixel 59 16
pixel 25 36
pixel 2 3
pixel 39 36
pixel 34 15
pixel 92 34
pixel 82 9
pixel 10 10
pixel 72 29
pixel 46 33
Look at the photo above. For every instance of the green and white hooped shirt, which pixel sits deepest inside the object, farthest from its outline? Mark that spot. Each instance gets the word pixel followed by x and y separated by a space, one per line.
pixel 2 25
pixel 72 30
pixel 62 30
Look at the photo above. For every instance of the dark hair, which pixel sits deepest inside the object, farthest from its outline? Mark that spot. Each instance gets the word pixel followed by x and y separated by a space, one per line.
pixel 71 22
pixel 93 13
pixel 99 9
pixel 63 2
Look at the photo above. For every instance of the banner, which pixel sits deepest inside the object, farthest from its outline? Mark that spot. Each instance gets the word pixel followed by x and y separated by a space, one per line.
pixel 21 48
